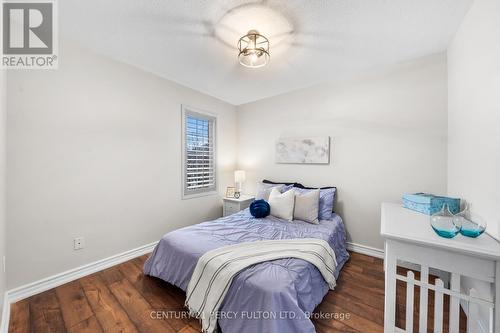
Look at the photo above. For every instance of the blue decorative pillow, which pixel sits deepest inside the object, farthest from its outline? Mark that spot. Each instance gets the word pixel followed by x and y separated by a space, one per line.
pixel 260 208
pixel 326 199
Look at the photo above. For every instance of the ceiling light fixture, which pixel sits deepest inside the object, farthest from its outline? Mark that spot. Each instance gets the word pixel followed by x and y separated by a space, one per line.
pixel 253 50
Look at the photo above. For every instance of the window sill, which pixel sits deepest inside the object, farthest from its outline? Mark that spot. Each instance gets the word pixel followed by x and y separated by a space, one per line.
pixel 198 195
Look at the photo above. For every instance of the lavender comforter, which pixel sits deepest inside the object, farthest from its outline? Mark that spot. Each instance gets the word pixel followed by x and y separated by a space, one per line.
pixel 270 297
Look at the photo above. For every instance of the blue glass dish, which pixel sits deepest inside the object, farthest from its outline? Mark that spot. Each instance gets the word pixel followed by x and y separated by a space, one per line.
pixel 442 223
pixel 471 225
pixel 446 233
pixel 472 232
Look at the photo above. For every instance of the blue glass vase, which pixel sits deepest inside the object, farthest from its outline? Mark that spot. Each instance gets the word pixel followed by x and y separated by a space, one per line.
pixel 471 225
pixel 442 223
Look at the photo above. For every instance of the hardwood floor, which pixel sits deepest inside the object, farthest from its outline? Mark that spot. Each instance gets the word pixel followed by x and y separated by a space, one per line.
pixel 121 299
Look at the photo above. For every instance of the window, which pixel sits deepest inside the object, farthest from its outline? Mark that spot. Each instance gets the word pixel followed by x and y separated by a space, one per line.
pixel 198 152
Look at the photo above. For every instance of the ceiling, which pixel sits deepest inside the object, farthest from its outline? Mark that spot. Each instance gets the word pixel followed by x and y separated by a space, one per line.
pixel 193 42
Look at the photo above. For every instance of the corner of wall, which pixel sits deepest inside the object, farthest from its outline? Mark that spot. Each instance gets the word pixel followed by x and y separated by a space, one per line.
pixel 3 239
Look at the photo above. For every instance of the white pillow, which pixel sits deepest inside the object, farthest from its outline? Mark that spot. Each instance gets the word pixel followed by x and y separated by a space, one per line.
pixel 264 190
pixel 282 204
pixel 307 206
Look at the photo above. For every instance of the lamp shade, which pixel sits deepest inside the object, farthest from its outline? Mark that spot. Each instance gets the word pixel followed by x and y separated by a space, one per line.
pixel 239 176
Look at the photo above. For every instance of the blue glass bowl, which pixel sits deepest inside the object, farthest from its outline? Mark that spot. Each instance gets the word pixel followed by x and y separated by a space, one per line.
pixel 470 227
pixel 472 230
pixel 446 231
pixel 443 224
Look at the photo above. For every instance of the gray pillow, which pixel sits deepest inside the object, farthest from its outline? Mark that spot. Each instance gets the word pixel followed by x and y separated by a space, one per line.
pixel 264 190
pixel 306 206
pixel 326 198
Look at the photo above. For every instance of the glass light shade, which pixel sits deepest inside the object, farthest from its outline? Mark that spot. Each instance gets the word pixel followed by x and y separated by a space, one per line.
pixel 239 176
pixel 443 223
pixel 253 50
pixel 471 225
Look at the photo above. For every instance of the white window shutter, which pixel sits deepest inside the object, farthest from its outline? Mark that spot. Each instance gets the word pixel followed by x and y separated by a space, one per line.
pixel 199 162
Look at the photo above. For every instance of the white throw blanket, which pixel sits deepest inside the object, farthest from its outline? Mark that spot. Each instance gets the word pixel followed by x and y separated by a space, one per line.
pixel 215 270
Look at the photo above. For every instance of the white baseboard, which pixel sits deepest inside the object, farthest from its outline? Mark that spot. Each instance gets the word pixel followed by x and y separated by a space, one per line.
pixel 53 281
pixel 4 325
pixel 363 249
pixel 56 280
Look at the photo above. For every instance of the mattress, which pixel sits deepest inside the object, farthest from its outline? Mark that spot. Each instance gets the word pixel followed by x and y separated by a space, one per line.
pixel 274 296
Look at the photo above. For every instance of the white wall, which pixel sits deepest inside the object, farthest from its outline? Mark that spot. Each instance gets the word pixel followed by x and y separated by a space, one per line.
pixel 2 184
pixel 474 112
pixel 94 150
pixel 388 135
pixel 474 117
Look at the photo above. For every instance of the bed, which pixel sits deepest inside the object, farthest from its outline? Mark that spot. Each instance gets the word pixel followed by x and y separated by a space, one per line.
pixel 274 296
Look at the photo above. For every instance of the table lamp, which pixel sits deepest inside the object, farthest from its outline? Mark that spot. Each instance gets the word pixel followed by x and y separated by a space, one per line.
pixel 239 178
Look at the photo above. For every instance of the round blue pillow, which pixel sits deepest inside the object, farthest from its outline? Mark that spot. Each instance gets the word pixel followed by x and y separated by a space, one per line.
pixel 260 208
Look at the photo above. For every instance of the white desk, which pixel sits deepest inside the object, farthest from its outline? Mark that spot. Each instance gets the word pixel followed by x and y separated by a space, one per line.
pixel 409 237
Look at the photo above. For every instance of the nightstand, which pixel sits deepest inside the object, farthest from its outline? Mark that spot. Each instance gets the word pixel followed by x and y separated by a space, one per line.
pixel 232 205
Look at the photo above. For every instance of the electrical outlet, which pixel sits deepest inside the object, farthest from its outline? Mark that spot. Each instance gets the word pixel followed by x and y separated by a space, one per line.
pixel 78 243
